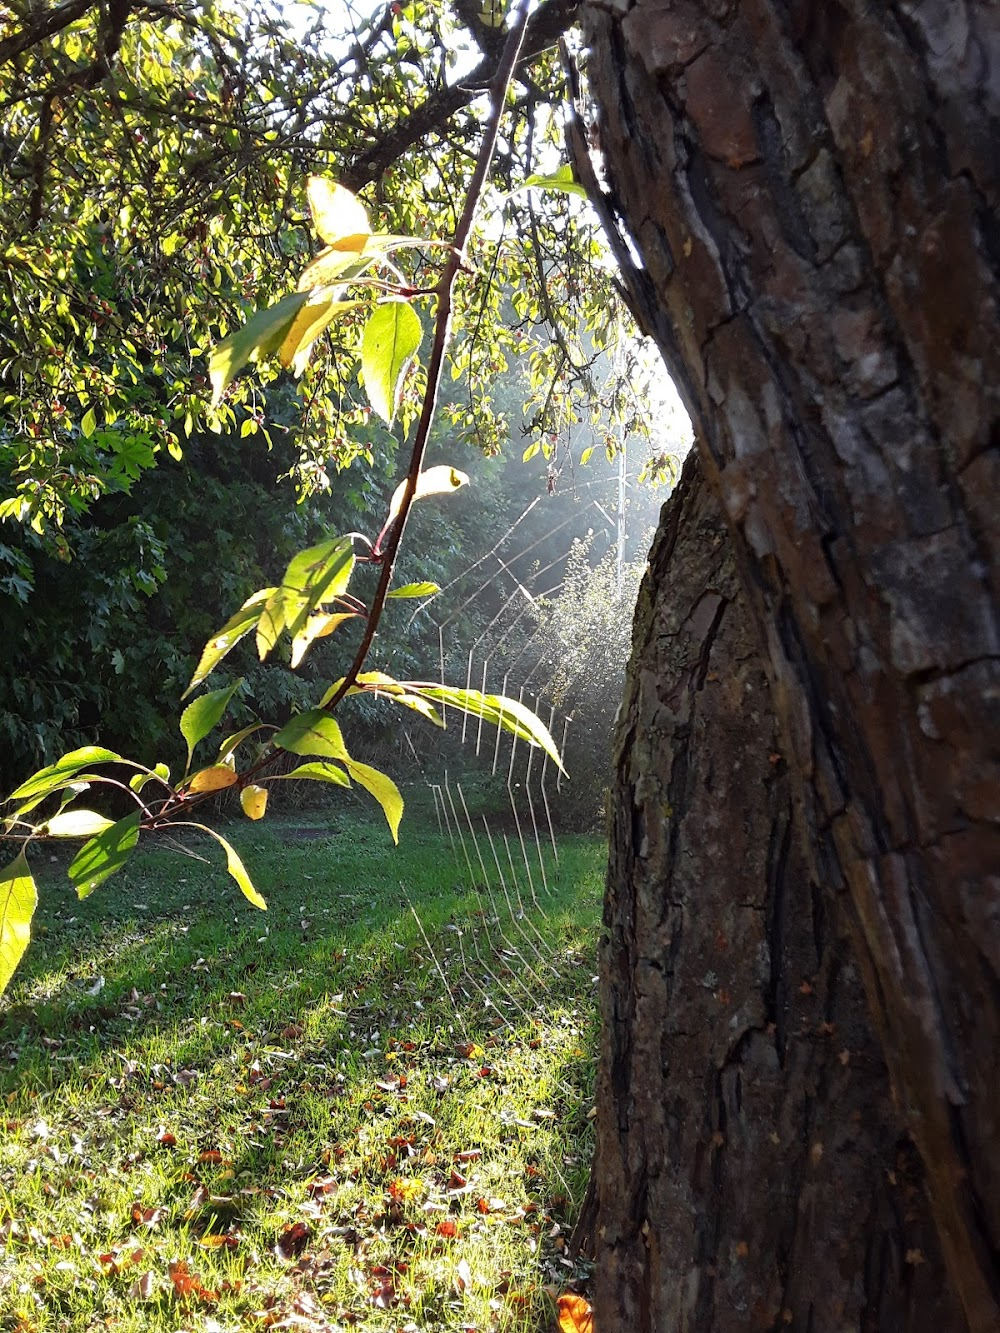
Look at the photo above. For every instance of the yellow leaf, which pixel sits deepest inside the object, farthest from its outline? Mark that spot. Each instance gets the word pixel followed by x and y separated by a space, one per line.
pixel 310 322
pixel 216 778
pixel 575 1314
pixel 254 802
pixel 338 216
pixel 434 481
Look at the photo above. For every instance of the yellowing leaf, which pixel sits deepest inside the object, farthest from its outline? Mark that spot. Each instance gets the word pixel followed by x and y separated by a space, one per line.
pixel 415 590
pixel 315 316
pixel 260 336
pixel 338 216
pixel 76 824
pixel 388 346
pixel 382 788
pixel 317 627
pixel 333 266
pixel 254 802
pixel 575 1314
pixel 18 900
pixel 216 778
pixel 235 867
pixel 439 480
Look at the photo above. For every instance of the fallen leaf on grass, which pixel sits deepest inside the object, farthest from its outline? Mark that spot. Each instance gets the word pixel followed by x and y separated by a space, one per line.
pixel 142 1288
pixel 292 1241
pixel 575 1313
pixel 187 1284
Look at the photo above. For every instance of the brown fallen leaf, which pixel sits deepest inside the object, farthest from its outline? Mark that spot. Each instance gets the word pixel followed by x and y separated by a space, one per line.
pixel 292 1241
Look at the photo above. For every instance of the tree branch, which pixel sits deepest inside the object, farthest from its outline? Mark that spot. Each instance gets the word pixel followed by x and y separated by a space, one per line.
pixel 545 26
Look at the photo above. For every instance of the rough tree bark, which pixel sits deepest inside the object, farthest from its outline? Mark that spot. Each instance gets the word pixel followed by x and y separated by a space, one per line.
pixel 812 190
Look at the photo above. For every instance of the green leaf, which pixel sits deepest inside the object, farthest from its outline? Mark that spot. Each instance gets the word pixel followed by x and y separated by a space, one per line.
pixel 100 858
pixel 228 747
pixel 382 788
pixel 313 577
pixel 316 315
pixel 235 867
pixel 260 336
pixel 585 456
pixel 317 772
pixel 49 779
pixel 18 900
pixel 75 824
pixel 562 179
pixel 235 628
pixel 439 480
pixel 140 780
pixel 89 423
pixel 203 714
pixel 502 712
pixel 415 590
pixel 314 732
pixel 388 346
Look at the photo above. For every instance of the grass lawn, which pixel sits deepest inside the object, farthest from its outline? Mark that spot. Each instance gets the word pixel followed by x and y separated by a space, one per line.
pixel 332 1115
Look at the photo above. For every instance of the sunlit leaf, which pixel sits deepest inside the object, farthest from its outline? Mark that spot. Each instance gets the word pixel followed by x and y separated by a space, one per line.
pixel 415 590
pixel 575 1313
pixel 313 577
pixel 377 682
pixel 560 179
pixel 203 714
pixel 161 772
pixel 502 712
pixel 585 456
pixel 382 788
pixel 319 772
pixel 333 266
pixel 104 855
pixel 18 900
pixel 317 627
pixel 314 732
pixel 316 315
pixel 254 801
pixel 235 628
pixel 49 779
pixel 235 867
pixel 228 747
pixel 388 346
pixel 217 777
pixel 88 424
pixel 338 215
pixel 75 824
pixel 261 336
pixel 439 480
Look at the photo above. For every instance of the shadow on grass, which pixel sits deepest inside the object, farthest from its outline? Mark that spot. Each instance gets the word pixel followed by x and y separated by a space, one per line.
pixel 333 1102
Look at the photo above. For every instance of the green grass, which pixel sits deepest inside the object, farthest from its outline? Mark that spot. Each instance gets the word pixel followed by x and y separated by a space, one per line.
pixel 294 1104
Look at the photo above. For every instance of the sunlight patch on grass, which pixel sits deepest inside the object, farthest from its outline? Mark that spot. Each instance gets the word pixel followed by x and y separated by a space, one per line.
pixel 211 1114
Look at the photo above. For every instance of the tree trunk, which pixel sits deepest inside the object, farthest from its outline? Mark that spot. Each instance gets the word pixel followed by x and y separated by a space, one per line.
pixel 749 1171
pixel 812 190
